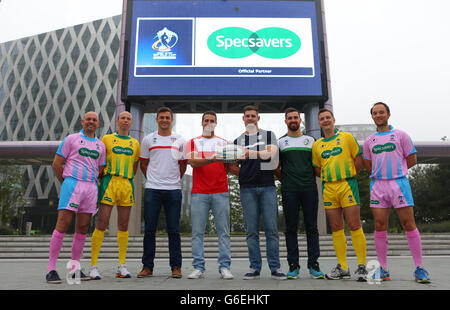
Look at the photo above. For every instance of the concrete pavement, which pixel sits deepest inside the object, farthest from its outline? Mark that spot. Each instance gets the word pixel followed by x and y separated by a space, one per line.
pixel 30 275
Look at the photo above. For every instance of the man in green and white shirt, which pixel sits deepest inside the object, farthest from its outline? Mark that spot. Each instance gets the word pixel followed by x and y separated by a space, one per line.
pixel 298 187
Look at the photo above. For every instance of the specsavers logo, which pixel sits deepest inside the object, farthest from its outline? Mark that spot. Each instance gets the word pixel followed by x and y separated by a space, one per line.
pixel 122 150
pixel 237 42
pixel 388 147
pixel 327 154
pixel 88 153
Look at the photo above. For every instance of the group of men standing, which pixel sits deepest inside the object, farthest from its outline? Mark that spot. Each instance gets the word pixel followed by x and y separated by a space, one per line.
pixel 295 159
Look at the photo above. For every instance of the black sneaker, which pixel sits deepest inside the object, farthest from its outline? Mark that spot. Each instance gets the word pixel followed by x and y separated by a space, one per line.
pixel 251 275
pixel 83 277
pixel 278 275
pixel 361 273
pixel 53 277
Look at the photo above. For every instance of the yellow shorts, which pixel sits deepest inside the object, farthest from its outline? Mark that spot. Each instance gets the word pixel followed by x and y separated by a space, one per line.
pixel 340 194
pixel 116 190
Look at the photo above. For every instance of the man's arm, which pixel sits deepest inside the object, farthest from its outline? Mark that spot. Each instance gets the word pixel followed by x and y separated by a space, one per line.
pixel 277 171
pixel 411 160
pixel 317 171
pixel 135 167
pixel 358 163
pixel 58 167
pixel 144 165
pixel 233 168
pixel 368 165
pixel 183 166
pixel 268 153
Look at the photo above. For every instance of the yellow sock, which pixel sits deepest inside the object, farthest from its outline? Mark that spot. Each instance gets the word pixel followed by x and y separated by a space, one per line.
pixel 96 244
pixel 359 245
pixel 340 247
pixel 122 241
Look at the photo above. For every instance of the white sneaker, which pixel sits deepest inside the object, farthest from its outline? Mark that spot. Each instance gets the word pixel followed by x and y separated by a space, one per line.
pixel 196 274
pixel 122 272
pixel 226 274
pixel 94 274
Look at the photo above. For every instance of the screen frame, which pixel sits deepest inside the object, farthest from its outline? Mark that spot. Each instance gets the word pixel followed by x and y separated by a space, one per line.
pixel 298 99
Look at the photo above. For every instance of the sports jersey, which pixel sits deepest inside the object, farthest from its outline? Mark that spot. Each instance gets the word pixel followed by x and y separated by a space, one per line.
pixel 83 156
pixel 164 153
pixel 211 178
pixel 335 156
pixel 121 153
pixel 388 151
pixel 256 172
pixel 297 173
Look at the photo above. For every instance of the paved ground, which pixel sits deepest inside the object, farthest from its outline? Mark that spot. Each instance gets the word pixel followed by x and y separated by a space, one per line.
pixel 30 275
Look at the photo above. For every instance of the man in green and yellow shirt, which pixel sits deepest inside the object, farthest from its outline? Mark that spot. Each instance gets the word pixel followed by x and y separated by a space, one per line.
pixel 337 159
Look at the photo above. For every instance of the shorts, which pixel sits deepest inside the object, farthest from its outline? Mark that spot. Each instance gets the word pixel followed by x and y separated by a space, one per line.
pixel 116 190
pixel 390 193
pixel 340 194
pixel 78 196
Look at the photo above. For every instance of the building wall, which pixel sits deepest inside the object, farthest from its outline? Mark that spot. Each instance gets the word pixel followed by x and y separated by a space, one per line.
pixel 47 82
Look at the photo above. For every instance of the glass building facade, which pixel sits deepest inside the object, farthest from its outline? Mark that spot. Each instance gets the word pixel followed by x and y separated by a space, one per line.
pixel 47 82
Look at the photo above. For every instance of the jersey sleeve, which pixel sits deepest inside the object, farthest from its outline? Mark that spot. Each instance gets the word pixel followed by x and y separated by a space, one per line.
pixel 138 150
pixel 354 146
pixel 367 155
pixel 190 149
pixel 64 148
pixel 179 149
pixel 145 149
pixel 407 145
pixel 315 156
pixel 102 158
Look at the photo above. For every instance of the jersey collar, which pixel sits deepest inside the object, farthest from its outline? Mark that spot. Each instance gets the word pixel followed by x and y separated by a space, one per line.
pixel 86 137
pixel 386 132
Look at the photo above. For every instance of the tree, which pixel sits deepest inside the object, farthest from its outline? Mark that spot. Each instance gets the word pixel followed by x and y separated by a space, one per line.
pixel 12 192
pixel 236 215
pixel 430 186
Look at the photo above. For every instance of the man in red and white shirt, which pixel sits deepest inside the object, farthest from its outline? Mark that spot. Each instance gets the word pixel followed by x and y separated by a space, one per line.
pixel 163 165
pixel 209 192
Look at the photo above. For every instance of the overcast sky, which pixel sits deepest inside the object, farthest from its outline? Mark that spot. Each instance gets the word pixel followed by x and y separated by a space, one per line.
pixel 396 51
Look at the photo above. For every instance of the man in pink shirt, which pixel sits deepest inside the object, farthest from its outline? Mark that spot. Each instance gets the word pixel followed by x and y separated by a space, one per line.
pixel 78 162
pixel 388 154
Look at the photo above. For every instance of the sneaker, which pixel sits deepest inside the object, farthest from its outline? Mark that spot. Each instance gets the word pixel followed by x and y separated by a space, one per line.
pixel 176 273
pixel 226 274
pixel 94 274
pixel 294 271
pixel 53 277
pixel 251 275
pixel 196 274
pixel 315 272
pixel 361 273
pixel 145 272
pixel 278 275
pixel 384 274
pixel 337 273
pixel 122 272
pixel 83 276
pixel 421 275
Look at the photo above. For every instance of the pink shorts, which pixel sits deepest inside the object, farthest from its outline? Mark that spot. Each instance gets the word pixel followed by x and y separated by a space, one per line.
pixel 78 196
pixel 390 193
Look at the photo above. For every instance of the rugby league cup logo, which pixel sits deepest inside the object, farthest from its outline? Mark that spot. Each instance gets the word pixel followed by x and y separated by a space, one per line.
pixel 167 39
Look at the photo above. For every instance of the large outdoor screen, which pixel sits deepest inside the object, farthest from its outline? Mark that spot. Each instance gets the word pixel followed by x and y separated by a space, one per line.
pixel 224 48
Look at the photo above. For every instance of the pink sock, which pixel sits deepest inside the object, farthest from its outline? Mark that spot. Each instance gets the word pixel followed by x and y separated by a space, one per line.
pixel 77 246
pixel 415 246
pixel 381 245
pixel 56 243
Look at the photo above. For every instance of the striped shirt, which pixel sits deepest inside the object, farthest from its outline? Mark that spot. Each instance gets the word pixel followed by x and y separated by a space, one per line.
pixel 83 157
pixel 121 154
pixel 335 156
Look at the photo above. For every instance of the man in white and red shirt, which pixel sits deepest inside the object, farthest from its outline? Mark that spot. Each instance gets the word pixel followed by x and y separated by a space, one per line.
pixel 209 192
pixel 163 165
